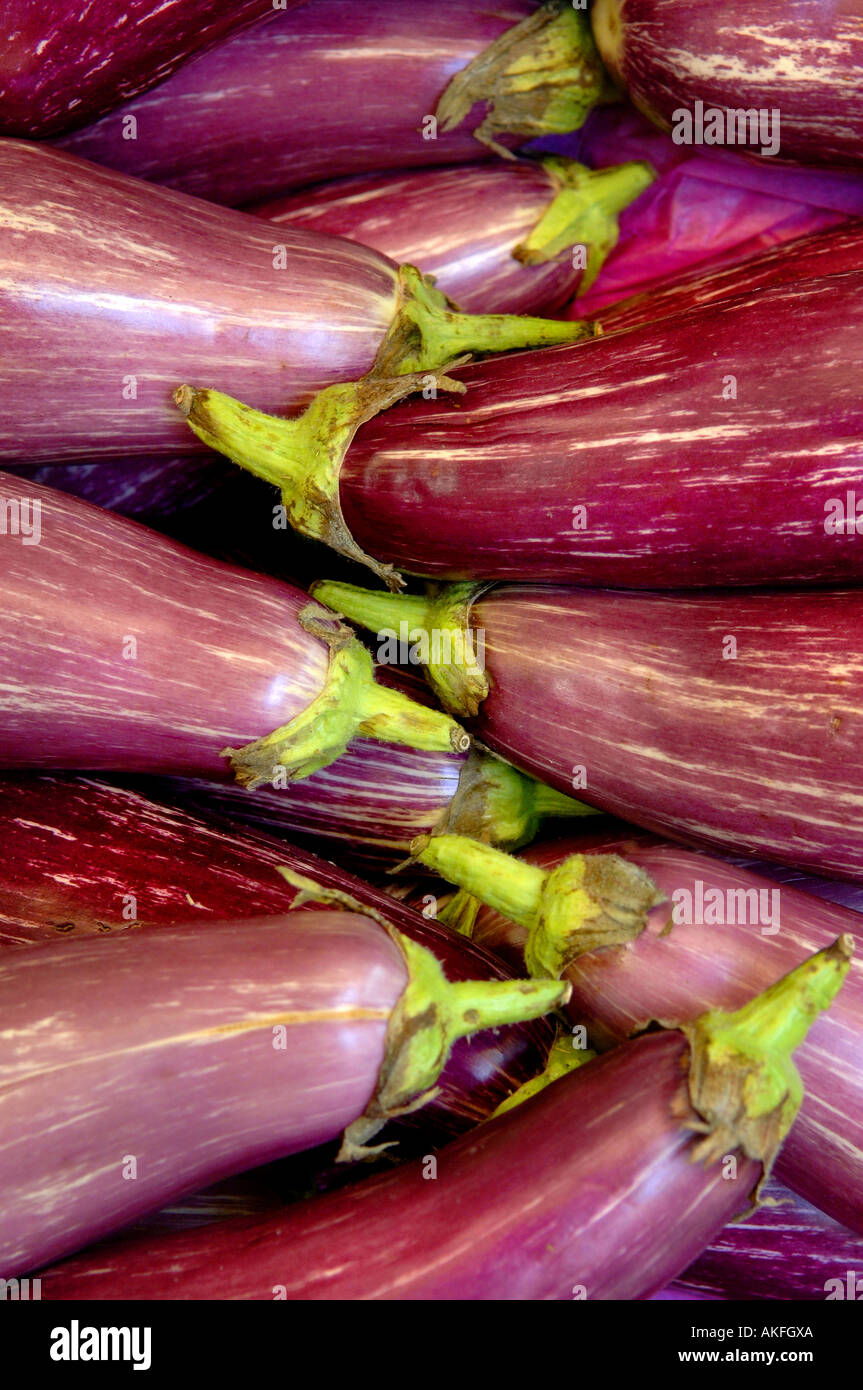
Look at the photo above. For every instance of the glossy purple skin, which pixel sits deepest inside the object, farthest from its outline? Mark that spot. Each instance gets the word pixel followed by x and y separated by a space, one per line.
pixel 112 285
pixel 677 487
pixel 219 657
pixel 460 224
pixel 65 64
pixel 366 808
pixel 789 1251
pixel 160 1047
pixel 825 253
pixel 74 850
pixel 678 976
pixel 337 88
pixel 760 754
pixel 804 57
pixel 522 1208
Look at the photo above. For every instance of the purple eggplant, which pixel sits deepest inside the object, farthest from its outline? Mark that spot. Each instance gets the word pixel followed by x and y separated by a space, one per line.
pixel 783 82
pixel 717 932
pixel 120 649
pixel 342 88
pixel 718 446
pixel 786 1249
pixel 498 238
pixel 140 1066
pixel 522 1208
pixel 729 719
pixel 835 251
pixel 66 64
pixel 174 288
pixel 84 859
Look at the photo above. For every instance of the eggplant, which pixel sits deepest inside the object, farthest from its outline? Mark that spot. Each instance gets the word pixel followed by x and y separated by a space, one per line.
pixel 85 859
pixel 824 254
pixel 716 446
pixel 786 1249
pixel 792 81
pixel 347 89
pixel 154 658
pixel 174 287
pixel 723 719
pixel 498 238
pixel 140 1066
pixel 523 1208
pixel 66 64
pixel 716 933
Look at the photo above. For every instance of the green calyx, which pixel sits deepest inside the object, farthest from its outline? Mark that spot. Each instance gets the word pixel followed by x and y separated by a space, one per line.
pixel 498 805
pixel 584 213
pixel 429 332
pixel 541 77
pixel 351 705
pixel 431 1014
pixel 303 456
pixel 585 903
pixel 434 630
pixel 565 1056
pixel 742 1080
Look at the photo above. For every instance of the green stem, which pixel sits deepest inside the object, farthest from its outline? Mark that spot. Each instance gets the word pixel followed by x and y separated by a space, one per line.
pixel 303 456
pixel 431 1014
pixel 438 628
pixel 584 903
pixel 351 704
pixel 563 1058
pixel 541 77
pixel 742 1080
pixel 499 805
pixel 584 212
pixel 429 332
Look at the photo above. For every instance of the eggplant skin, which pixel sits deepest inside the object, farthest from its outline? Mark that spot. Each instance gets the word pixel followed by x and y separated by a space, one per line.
pixel 681 972
pixel 803 58
pixel 81 859
pixel 732 722
pixel 67 63
pixel 521 1208
pixel 708 448
pixel 338 88
pixel 138 1067
pixel 127 291
pixel 459 224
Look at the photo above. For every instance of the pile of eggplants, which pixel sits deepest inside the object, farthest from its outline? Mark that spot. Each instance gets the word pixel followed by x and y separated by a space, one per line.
pixel 236 126
pixel 717 934
pixel 725 719
pixel 532 1211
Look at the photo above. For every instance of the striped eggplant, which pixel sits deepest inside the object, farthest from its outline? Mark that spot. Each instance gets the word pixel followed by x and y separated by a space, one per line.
pixel 725 719
pixel 68 63
pixel 717 446
pixel 786 1249
pixel 835 251
pixel 120 649
pixel 524 1208
pixel 506 238
pixel 84 859
pixel 143 1065
pixel 784 81
pixel 716 933
pixel 173 287
pixel 342 88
